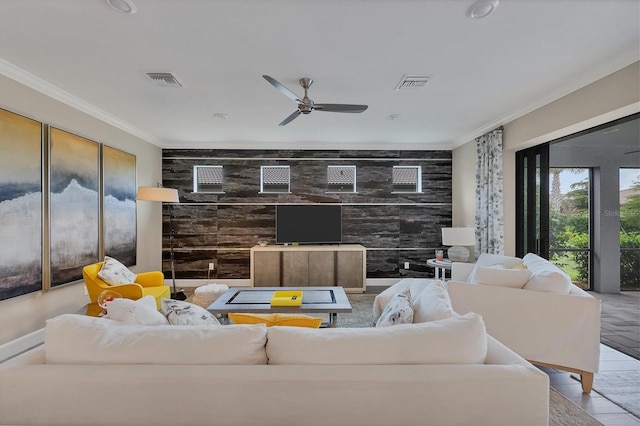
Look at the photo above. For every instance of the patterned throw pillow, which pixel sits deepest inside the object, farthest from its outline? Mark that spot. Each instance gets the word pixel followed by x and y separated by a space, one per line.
pixel 142 311
pixel 397 311
pixel 114 272
pixel 179 312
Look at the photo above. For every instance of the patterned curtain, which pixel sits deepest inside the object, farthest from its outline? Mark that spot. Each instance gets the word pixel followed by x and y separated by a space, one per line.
pixel 489 196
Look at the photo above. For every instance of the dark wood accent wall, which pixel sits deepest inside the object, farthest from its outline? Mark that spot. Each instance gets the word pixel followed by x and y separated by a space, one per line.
pixel 221 228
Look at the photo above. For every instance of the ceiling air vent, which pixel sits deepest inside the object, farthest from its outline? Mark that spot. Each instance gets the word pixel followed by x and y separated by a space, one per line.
pixel 164 79
pixel 412 82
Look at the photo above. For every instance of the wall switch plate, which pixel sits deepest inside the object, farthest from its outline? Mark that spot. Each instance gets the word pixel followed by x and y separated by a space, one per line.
pixel 211 266
pixel 406 265
pixel 85 292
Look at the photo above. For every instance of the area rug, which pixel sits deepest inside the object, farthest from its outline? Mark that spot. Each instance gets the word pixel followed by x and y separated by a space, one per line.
pixel 619 387
pixel 562 412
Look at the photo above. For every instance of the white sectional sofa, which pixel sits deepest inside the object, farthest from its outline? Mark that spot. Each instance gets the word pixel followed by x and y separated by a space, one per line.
pixel 96 371
pixel 549 321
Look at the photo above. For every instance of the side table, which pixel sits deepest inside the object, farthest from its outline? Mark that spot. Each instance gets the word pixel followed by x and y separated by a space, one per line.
pixel 440 266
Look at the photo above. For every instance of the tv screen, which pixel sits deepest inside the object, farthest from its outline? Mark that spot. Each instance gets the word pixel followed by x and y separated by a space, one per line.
pixel 309 224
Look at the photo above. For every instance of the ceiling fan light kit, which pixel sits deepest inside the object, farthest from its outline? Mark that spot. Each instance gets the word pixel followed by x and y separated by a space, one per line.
pixel 306 105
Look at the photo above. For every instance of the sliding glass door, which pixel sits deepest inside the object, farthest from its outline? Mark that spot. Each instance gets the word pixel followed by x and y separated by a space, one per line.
pixel 532 201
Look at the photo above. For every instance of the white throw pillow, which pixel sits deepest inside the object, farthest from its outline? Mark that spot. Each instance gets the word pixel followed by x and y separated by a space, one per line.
pixel 433 304
pixel 545 275
pixel 179 312
pixel 397 311
pixel 487 260
pixel 80 339
pixel 502 277
pixel 142 311
pixel 457 340
pixel 114 272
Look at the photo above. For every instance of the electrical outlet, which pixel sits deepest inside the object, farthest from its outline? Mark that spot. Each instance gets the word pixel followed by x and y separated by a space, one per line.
pixel 212 266
pixel 406 265
pixel 85 292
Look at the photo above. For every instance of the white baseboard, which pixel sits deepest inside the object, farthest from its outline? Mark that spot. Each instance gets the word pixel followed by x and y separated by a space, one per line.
pixel 21 344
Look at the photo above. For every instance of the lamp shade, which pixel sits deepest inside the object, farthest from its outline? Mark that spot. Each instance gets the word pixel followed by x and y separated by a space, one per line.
pixel 459 236
pixel 152 193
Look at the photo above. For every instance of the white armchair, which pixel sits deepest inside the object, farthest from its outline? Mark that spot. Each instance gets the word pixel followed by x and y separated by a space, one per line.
pixel 555 329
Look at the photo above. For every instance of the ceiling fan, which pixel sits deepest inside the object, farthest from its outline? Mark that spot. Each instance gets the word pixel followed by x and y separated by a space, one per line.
pixel 306 105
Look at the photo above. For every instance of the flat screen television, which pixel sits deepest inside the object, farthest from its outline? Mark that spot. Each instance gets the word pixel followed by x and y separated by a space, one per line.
pixel 309 224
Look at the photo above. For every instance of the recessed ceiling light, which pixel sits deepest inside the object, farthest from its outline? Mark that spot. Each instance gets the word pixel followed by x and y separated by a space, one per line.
pixel 124 6
pixel 221 115
pixel 393 117
pixel 482 8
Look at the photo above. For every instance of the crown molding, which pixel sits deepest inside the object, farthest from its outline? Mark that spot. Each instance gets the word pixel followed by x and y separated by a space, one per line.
pixel 570 87
pixel 16 73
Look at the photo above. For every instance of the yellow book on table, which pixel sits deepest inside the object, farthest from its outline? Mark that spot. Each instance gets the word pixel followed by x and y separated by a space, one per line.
pixel 286 298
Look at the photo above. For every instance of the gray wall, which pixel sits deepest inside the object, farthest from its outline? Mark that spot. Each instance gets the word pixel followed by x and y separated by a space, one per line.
pixel 221 228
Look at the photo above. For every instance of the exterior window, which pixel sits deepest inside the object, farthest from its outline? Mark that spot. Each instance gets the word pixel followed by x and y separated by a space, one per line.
pixel 208 179
pixel 274 179
pixel 407 179
pixel 341 178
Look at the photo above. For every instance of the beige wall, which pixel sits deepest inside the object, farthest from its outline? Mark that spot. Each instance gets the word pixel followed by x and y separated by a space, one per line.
pixel 24 314
pixel 614 96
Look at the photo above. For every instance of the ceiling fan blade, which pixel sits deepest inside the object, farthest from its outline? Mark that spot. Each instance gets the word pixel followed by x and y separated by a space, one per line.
pixel 633 152
pixel 288 93
pixel 290 118
pixel 340 107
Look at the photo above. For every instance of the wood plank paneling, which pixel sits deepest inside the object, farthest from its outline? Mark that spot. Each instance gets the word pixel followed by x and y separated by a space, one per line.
pixel 222 227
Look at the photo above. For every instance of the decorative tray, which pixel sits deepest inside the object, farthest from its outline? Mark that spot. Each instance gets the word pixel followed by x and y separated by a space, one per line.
pixel 286 298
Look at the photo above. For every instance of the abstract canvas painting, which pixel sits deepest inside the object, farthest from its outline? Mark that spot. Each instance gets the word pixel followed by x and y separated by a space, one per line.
pixel 20 205
pixel 74 205
pixel 119 208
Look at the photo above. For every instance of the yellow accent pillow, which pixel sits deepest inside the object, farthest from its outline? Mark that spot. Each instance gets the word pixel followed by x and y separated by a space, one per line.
pixel 293 320
pixel 520 266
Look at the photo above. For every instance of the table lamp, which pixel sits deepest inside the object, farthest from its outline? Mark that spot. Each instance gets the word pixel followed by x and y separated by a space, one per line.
pixel 165 195
pixel 458 238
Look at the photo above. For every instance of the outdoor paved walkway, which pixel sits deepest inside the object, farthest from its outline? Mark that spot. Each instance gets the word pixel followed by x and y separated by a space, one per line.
pixel 620 321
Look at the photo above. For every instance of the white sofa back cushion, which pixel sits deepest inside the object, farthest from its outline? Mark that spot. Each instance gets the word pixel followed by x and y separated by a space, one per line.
pixel 545 275
pixel 456 340
pixel 79 339
pixel 488 260
pixel 433 303
pixel 500 276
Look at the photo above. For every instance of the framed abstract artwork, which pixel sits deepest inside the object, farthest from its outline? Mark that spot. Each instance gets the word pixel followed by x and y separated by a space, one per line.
pixel 74 204
pixel 119 206
pixel 20 205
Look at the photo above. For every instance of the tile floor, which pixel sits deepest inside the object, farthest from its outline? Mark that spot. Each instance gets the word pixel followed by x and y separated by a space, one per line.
pixel 620 333
pixel 605 411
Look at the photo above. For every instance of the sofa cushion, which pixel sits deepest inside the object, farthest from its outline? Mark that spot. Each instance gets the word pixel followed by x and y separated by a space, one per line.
pixel 433 303
pixel 270 320
pixel 79 339
pixel 545 275
pixel 142 311
pixel 500 276
pixel 397 311
pixel 113 272
pixel 487 260
pixel 456 340
pixel 179 312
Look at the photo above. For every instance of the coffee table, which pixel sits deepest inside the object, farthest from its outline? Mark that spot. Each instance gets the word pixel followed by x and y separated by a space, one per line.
pixel 315 300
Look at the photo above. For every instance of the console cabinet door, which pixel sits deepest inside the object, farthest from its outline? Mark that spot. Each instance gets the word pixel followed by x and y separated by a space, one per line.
pixel 349 266
pixel 322 268
pixel 295 268
pixel 266 269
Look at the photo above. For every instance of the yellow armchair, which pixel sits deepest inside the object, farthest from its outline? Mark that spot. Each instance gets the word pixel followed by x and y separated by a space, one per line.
pixel 147 283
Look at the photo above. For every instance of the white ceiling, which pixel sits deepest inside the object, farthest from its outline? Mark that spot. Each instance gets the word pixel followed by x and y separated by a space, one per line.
pixel 484 73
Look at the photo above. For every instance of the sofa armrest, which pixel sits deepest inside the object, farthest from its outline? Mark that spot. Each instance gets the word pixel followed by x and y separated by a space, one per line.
pixel 128 291
pixel 150 279
pixel 551 328
pixel 460 271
